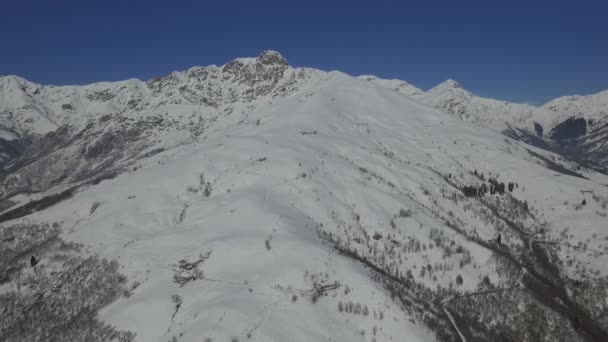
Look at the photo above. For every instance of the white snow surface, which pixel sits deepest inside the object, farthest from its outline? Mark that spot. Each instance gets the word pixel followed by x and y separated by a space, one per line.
pixel 449 96
pixel 333 148
pixel 591 107
pixel 8 136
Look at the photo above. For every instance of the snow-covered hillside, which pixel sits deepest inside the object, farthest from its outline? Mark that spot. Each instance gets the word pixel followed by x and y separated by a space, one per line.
pixel 103 126
pixel 578 127
pixel 451 97
pixel 257 201
pixel 574 126
pixel 593 108
pixel 398 85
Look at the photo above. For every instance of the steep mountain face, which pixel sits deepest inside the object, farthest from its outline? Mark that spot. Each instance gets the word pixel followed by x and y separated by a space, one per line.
pixel 578 128
pixel 19 111
pixel 256 201
pixel 81 132
pixel 592 108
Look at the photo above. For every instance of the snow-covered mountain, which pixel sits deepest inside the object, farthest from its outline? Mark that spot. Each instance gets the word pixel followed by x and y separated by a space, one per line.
pixel 574 126
pixel 449 96
pixel 452 98
pixel 578 128
pixel 257 201
pixel 398 85
pixel 592 108
pixel 103 126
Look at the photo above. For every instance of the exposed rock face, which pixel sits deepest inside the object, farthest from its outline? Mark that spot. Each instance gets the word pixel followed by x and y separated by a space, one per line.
pixel 77 132
pixel 315 164
pixel 270 57
pixel 450 83
pixel 538 128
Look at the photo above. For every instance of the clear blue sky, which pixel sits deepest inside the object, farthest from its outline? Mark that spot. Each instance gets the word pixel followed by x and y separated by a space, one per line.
pixel 525 51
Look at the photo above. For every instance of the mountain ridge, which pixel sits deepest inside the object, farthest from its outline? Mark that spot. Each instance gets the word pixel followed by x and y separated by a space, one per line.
pixel 574 126
pixel 262 202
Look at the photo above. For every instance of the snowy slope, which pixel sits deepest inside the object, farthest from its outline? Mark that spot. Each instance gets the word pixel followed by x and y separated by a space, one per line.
pixel 104 125
pixel 398 85
pixel 574 126
pixel 324 207
pixel 21 113
pixel 593 108
pixel 451 97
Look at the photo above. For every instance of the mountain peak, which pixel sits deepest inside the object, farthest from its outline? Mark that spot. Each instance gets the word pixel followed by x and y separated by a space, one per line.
pixel 449 83
pixel 271 57
pixel 12 79
pixel 450 86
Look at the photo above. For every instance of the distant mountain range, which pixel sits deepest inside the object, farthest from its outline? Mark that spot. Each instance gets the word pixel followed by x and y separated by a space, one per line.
pixel 255 201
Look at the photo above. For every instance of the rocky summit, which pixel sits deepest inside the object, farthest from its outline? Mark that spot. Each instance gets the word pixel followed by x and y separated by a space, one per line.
pixel 265 202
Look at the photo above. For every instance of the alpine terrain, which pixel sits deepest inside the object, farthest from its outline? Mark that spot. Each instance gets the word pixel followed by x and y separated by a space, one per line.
pixel 256 201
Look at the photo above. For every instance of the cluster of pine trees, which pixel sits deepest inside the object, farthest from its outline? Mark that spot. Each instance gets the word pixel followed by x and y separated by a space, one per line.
pixel 495 187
